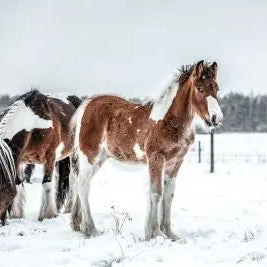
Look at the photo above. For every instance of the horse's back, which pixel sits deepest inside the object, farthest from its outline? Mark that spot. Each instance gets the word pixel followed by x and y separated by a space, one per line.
pixel 110 106
pixel 118 123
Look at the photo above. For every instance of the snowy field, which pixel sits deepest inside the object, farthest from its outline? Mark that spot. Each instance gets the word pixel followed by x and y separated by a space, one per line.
pixel 221 217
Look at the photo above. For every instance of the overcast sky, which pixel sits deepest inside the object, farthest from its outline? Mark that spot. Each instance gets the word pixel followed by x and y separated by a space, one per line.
pixel 129 46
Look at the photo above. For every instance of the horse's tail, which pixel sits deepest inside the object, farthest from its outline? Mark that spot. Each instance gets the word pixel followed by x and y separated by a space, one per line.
pixel 63 182
pixel 76 124
pixel 63 187
pixel 7 166
pixel 28 172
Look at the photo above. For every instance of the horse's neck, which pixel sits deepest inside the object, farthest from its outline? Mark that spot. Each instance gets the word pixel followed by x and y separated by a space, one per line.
pixel 181 107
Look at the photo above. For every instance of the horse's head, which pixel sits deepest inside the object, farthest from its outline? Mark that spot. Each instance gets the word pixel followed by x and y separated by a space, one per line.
pixel 204 96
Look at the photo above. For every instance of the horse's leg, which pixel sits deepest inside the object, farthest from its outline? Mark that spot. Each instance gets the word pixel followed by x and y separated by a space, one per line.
pixel 8 192
pixel 28 172
pixel 18 146
pixel 81 214
pixel 170 174
pixel 76 213
pixel 48 208
pixel 87 225
pixel 17 207
pixel 3 216
pixel 155 164
pixel 70 197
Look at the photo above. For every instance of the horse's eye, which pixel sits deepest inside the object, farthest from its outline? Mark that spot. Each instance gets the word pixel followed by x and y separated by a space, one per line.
pixel 201 89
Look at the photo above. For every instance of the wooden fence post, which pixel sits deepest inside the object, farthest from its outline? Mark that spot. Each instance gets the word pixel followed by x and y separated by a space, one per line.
pixel 199 152
pixel 212 151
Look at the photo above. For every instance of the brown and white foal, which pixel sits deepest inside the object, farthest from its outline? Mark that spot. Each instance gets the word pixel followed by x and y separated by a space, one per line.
pixel 35 129
pixel 157 134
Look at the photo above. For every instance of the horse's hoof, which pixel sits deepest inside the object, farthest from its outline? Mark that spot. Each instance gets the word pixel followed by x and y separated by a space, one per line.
pixel 75 227
pixel 169 233
pixel 16 214
pixel 67 210
pixel 96 232
pixel 172 236
pixel 155 234
pixel 47 216
pixel 90 231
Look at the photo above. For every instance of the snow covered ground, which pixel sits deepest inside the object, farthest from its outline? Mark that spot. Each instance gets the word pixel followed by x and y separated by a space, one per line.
pixel 221 217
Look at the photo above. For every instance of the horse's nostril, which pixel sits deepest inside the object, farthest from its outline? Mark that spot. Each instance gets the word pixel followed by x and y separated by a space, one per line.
pixel 213 119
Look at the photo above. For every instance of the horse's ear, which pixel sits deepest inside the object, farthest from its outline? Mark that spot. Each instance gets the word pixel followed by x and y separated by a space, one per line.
pixel 198 69
pixel 214 67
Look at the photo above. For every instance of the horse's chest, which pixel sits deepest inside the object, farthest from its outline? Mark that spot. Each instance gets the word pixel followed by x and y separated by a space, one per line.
pixel 176 151
pixel 179 147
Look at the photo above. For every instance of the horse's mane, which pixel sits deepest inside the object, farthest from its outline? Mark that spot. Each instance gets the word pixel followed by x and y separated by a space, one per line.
pixel 7 115
pixel 184 73
pixel 162 104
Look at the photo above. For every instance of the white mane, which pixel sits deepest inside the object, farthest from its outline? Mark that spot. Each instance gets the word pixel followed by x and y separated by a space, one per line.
pixel 164 101
pixel 8 114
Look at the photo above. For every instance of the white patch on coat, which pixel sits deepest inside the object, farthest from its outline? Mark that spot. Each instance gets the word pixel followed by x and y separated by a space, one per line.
pixel 59 151
pixel 138 131
pixel 23 118
pixel 162 105
pixel 138 152
pixel 130 120
pixel 214 109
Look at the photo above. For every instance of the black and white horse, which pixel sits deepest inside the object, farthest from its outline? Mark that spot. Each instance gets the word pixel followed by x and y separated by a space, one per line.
pixel 35 129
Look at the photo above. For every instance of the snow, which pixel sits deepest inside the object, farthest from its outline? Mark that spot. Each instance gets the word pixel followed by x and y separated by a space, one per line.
pixel 221 217
pixel 138 151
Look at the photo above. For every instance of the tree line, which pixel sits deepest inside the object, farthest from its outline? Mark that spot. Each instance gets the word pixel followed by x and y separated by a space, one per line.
pixel 242 113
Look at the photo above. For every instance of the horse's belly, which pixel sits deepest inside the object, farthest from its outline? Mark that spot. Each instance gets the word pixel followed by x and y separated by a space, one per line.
pixel 33 157
pixel 129 152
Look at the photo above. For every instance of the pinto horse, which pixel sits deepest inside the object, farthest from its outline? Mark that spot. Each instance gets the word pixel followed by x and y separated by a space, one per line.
pixel 157 134
pixel 35 129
